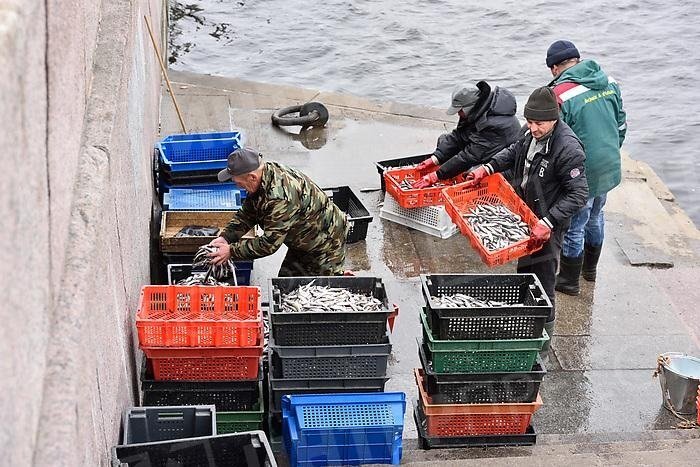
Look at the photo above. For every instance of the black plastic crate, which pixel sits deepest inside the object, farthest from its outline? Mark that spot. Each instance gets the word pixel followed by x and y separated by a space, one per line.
pixel 247 449
pixel 149 424
pixel 358 216
pixel 482 388
pixel 396 163
pixel 318 328
pixel 227 396
pixel 325 362
pixel 426 442
pixel 280 387
pixel 523 318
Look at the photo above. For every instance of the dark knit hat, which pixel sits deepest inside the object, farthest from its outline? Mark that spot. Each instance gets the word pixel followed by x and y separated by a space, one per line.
pixel 241 161
pixel 542 105
pixel 560 51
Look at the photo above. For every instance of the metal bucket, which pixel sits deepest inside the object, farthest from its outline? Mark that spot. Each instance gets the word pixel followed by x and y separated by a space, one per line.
pixel 679 375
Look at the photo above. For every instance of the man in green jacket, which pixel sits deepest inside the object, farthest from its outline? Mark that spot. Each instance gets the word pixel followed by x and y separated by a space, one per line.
pixel 291 209
pixel 591 104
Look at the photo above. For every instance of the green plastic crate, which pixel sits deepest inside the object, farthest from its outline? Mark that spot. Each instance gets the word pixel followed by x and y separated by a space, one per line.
pixel 477 356
pixel 233 422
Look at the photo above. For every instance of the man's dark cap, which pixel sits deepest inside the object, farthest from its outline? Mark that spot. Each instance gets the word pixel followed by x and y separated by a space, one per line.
pixel 560 51
pixel 542 105
pixel 241 161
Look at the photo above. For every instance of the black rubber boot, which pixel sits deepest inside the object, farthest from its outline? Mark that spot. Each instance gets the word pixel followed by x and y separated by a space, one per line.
pixel 591 254
pixel 567 279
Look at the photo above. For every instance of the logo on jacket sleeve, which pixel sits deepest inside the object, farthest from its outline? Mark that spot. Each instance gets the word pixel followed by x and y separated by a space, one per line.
pixel 575 172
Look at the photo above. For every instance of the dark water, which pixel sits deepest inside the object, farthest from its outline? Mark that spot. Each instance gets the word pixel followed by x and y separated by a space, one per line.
pixel 417 51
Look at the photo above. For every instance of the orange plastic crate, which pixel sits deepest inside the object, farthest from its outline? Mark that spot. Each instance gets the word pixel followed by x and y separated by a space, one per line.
pixel 493 190
pixel 199 316
pixel 201 364
pixel 458 420
pixel 418 197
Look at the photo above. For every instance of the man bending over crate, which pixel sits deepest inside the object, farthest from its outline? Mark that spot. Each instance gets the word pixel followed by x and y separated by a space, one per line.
pixel 487 124
pixel 549 175
pixel 291 209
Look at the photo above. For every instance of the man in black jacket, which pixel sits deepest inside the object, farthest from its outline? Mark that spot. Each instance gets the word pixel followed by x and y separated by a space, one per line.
pixel 548 174
pixel 487 124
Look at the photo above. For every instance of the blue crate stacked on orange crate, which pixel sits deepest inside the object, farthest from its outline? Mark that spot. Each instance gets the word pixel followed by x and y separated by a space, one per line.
pixel 319 354
pixel 480 373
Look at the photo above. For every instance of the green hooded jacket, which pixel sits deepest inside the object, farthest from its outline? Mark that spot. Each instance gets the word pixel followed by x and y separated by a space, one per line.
pixel 591 104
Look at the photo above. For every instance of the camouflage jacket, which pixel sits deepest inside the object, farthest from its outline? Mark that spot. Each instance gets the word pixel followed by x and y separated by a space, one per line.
pixel 292 210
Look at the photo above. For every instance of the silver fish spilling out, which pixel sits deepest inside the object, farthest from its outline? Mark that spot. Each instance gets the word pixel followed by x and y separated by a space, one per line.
pixel 496 227
pixel 460 300
pixel 218 272
pixel 316 298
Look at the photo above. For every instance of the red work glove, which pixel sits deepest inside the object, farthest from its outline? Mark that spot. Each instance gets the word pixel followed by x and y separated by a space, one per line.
pixel 476 176
pixel 540 233
pixel 426 181
pixel 429 163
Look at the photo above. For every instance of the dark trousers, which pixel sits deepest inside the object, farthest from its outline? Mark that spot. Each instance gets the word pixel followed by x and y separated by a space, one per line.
pixel 304 264
pixel 543 264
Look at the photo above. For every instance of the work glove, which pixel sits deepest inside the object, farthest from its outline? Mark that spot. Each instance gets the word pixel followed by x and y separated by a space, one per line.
pixel 426 181
pixel 540 233
pixel 429 163
pixel 476 176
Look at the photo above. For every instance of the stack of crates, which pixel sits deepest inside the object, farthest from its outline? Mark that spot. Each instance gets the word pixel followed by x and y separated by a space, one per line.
pixel 316 352
pixel 192 160
pixel 186 436
pixel 185 180
pixel 420 209
pixel 480 376
pixel 204 345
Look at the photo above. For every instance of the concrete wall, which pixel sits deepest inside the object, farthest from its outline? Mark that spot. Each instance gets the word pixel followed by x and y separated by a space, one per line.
pixel 79 98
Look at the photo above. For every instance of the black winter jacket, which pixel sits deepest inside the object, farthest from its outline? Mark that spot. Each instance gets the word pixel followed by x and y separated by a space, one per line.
pixel 556 187
pixel 485 131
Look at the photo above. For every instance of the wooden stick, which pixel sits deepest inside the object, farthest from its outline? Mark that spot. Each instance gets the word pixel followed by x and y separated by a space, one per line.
pixel 165 74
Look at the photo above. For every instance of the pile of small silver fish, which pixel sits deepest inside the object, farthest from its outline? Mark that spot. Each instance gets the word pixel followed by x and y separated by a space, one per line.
pixel 460 300
pixel 496 226
pixel 197 231
pixel 218 272
pixel 407 184
pixel 200 278
pixel 316 298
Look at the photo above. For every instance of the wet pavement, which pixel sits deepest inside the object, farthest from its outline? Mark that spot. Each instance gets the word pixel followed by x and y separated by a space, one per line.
pixel 606 340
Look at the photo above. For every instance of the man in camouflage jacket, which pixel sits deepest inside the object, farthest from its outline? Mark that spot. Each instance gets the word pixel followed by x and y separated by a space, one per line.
pixel 291 209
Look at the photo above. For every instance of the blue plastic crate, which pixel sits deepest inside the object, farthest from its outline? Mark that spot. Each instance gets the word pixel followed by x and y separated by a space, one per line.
pixel 165 187
pixel 343 429
pixel 215 198
pixel 198 151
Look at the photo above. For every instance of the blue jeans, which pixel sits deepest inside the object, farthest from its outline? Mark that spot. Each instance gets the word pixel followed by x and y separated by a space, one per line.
pixel 587 226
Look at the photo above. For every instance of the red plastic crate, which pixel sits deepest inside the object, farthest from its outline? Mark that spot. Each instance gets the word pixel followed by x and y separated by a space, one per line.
pixel 199 316
pixel 417 197
pixel 493 190
pixel 200 364
pixel 458 420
